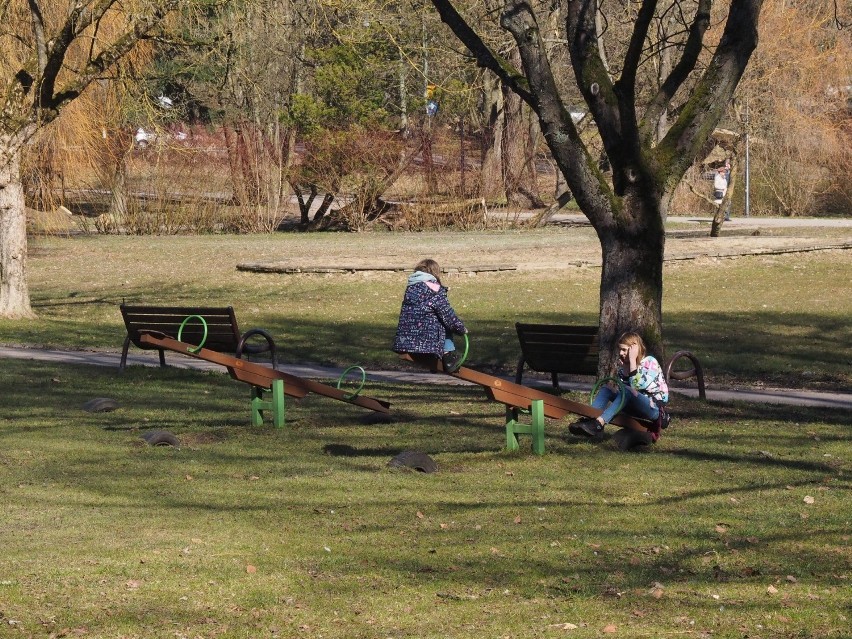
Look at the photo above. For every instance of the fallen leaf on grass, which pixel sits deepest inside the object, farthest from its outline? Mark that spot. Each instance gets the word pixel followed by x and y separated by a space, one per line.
pixel 611 628
pixel 518 519
pixel 808 499
pixel 721 529
pixel 564 626
pixel 132 584
pixel 251 569
pixel 419 515
pixel 772 590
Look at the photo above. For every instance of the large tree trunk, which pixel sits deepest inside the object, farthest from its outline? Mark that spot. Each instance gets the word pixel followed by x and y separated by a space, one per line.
pixel 14 294
pixel 631 288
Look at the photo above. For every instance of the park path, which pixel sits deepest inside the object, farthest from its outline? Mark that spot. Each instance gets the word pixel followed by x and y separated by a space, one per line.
pixel 794 397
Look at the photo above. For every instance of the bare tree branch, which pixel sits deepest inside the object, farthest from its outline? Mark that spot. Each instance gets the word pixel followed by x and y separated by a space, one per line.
pixel 680 72
pixel 485 57
pixel 713 92
pixel 95 67
pixel 38 34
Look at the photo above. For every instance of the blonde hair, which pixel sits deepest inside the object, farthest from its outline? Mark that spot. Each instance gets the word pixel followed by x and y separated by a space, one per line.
pixel 629 338
pixel 429 266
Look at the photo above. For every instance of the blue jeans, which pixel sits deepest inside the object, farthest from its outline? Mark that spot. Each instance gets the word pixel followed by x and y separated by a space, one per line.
pixel 638 405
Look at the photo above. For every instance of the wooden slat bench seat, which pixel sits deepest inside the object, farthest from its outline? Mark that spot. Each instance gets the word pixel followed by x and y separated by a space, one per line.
pixel 555 349
pixel 223 334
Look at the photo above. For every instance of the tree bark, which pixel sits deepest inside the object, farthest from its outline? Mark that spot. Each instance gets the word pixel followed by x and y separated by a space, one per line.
pixel 492 143
pixel 631 288
pixel 14 293
pixel 518 168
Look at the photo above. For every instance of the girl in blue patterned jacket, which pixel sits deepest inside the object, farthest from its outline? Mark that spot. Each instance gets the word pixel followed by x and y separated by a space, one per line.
pixel 427 320
pixel 644 387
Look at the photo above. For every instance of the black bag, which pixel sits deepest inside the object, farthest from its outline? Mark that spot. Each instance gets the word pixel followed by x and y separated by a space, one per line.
pixel 664 418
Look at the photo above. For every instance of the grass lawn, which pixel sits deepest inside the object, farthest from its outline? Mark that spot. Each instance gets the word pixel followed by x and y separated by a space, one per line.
pixel 736 525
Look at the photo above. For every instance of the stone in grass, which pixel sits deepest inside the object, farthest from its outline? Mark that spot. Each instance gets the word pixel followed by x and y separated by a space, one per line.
pixel 414 459
pixel 160 438
pixel 100 405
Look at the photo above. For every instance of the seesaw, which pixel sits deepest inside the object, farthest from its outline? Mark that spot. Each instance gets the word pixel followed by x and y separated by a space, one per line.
pixel 523 399
pixel 262 379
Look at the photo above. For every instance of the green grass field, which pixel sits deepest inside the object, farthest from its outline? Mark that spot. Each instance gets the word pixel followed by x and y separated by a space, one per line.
pixel 736 524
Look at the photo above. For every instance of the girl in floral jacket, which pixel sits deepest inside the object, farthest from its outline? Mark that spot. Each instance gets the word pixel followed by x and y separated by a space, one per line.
pixel 427 320
pixel 644 387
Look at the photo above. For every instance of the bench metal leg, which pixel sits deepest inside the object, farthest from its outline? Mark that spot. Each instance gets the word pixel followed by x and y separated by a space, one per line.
pixel 534 428
pixel 275 403
pixel 123 363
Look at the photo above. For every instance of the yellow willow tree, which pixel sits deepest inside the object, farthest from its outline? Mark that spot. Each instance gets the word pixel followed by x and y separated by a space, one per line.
pixel 50 52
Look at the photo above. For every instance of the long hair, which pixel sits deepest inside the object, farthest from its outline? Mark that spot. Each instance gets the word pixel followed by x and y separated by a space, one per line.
pixel 629 338
pixel 429 266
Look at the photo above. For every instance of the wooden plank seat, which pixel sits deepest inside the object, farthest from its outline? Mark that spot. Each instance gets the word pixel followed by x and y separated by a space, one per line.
pixel 223 333
pixel 556 348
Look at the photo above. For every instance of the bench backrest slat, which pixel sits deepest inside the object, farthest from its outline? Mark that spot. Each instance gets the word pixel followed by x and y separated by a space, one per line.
pixel 222 331
pixel 554 348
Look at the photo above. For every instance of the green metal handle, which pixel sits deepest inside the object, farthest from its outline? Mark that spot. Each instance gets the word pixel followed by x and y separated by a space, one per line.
pixel 466 349
pixel 361 386
pixel 603 381
pixel 204 337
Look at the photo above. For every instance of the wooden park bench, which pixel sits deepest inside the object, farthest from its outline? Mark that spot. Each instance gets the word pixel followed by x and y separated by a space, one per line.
pixel 555 349
pixel 223 334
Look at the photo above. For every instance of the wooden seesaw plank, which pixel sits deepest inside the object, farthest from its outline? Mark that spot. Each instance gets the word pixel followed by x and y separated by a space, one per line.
pixel 262 376
pixel 521 397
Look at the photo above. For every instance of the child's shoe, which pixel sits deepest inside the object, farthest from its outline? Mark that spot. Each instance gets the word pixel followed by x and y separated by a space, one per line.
pixel 587 427
pixel 451 361
pixel 592 428
pixel 576 430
